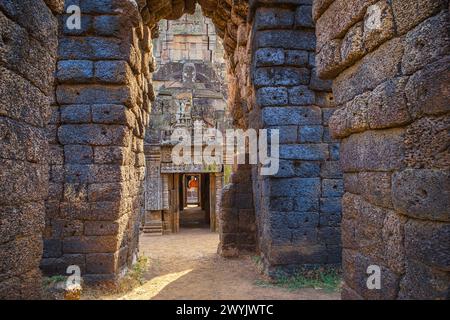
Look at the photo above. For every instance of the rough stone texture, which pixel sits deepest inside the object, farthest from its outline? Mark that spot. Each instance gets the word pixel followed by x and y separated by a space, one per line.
pixel 391 87
pixel 104 94
pixel 298 211
pixel 103 98
pixel 28 42
pixel 237 223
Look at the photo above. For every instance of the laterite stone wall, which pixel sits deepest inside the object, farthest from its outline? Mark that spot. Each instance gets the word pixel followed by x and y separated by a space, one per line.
pixel 96 135
pixel 390 64
pixel 28 42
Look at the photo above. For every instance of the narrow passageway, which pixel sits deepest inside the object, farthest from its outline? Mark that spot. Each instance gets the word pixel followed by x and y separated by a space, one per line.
pixel 186 266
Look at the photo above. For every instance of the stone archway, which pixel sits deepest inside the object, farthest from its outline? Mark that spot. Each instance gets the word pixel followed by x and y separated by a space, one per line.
pixel 97 123
pixel 103 98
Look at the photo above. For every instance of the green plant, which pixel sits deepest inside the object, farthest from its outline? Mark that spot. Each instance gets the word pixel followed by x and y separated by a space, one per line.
pixel 328 279
pixel 49 281
pixel 139 268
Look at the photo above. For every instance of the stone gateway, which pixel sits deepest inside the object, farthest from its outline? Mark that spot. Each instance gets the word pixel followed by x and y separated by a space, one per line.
pixel 357 89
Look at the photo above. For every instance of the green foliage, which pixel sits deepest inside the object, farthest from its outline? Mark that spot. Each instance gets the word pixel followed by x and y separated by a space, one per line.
pixel 49 281
pixel 325 278
pixel 138 270
pixel 228 170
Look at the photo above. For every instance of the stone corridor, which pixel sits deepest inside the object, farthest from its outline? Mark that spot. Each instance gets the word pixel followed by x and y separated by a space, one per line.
pixel 358 90
pixel 186 266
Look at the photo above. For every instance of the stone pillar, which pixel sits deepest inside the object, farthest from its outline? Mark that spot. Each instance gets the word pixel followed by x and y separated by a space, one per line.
pixel 299 209
pixel 390 64
pixel 28 41
pixel 103 101
pixel 237 226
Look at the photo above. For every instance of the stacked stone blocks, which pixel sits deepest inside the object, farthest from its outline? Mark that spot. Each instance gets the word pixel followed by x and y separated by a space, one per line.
pixel 389 61
pixel 298 209
pixel 104 94
pixel 28 41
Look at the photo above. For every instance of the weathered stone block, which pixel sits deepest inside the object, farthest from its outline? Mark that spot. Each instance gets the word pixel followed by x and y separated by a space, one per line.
pixel 318 84
pixel 352 46
pixel 375 187
pixel 329 235
pixel 93 48
pixel 422 194
pixel 375 68
pixel 426 43
pixel 269 57
pixel 281 76
pixel 91 244
pixel 303 17
pixel 94 134
pixel 272 96
pixel 112 114
pixel 101 263
pixel 76 114
pixel 304 152
pixel 292 116
pixel 298 58
pixel 118 72
pixel 301 95
pixel 426 143
pixel 331 170
pixel 339 17
pixel 408 14
pixel 75 71
pixel 288 134
pixel 295 168
pixel 20 255
pixel 331 205
pixel 351 118
pixel 319 7
pixel 306 204
pixel 394 240
pixel 328 60
pixel 332 188
pixel 282 204
pixel 98 192
pixel 78 154
pixel 21 142
pixel 21 100
pixel 273 18
pixel 422 282
pixel 106 25
pixel 23 187
pixel 21 220
pixel 310 134
pixel 383 29
pixel 355 274
pixel 298 187
pixel 366 151
pixel 287 39
pixel 111 155
pixel 427 90
pixel 387 105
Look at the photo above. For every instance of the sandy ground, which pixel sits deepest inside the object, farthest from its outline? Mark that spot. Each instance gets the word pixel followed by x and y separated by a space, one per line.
pixel 186 266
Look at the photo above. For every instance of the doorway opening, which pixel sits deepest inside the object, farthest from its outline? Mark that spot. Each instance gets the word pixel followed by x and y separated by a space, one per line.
pixel 195 209
pixel 190 83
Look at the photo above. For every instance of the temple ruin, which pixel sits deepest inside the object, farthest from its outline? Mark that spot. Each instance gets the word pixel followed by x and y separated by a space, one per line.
pixel 358 90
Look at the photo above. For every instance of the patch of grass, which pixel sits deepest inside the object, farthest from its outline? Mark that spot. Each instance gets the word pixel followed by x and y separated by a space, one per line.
pixel 257 260
pixel 228 170
pixel 135 276
pixel 328 279
pixel 49 281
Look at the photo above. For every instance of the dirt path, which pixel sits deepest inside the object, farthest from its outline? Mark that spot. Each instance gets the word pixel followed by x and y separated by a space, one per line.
pixel 186 266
